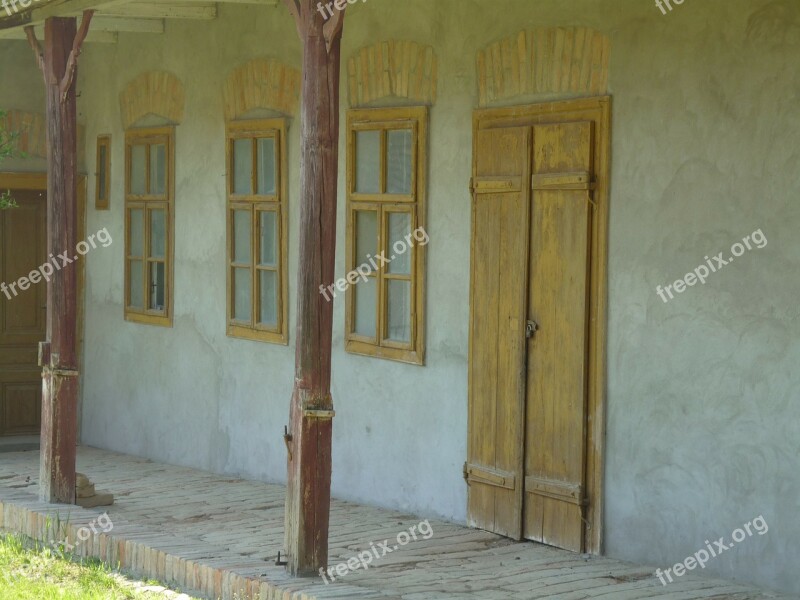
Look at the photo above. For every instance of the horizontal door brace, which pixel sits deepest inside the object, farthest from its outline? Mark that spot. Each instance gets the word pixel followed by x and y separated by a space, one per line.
pixel 495 185
pixel 488 476
pixel 558 490
pixel 580 180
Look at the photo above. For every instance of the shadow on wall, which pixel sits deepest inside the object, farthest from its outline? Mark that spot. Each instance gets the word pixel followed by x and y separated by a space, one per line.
pixel 775 25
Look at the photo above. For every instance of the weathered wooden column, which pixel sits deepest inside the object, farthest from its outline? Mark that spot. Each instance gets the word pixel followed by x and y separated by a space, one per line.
pixel 59 352
pixel 309 442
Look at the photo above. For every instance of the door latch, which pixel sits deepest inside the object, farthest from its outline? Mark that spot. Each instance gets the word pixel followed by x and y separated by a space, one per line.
pixel 531 328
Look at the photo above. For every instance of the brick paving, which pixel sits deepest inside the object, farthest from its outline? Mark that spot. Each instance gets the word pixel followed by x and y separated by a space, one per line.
pixel 218 537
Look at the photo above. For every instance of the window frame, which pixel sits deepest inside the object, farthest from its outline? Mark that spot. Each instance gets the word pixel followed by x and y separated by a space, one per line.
pixel 102 194
pixel 148 202
pixel 384 203
pixel 257 203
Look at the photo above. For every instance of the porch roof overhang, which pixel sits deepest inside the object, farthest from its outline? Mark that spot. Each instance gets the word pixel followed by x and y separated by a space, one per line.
pixel 111 16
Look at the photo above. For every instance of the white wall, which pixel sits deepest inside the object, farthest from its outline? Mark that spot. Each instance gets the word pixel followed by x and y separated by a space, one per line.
pixel 703 417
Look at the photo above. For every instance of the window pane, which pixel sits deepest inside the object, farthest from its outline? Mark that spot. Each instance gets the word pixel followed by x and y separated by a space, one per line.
pixel 399 309
pixel 243 166
pixel 398 161
pixel 138 170
pixel 398 248
pixel 368 162
pixel 242 294
pixel 268 315
pixel 269 238
pixel 157 286
pixel 137 232
pixel 241 237
pixel 366 297
pixel 366 237
pixel 136 284
pixel 101 172
pixel 266 166
pixel 158 170
pixel 158 233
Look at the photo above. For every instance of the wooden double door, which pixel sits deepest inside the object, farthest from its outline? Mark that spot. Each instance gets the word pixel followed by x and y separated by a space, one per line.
pixel 23 313
pixel 534 371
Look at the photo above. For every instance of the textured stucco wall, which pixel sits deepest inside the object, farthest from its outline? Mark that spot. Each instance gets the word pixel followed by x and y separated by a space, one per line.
pixel 703 422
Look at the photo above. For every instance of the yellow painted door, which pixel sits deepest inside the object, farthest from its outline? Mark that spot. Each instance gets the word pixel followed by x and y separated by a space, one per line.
pixel 497 341
pixel 22 313
pixel 558 303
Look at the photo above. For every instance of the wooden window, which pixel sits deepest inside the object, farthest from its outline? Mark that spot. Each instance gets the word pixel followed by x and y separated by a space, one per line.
pixel 386 175
pixel 149 225
pixel 103 174
pixel 257 226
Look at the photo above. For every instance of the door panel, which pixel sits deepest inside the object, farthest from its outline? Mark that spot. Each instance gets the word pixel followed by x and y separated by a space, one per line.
pixel 558 300
pixel 22 314
pixel 499 259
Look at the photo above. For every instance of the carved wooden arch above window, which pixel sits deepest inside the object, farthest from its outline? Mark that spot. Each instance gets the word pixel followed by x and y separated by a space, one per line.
pixel 393 69
pixel 262 83
pixel 152 93
pixel 553 60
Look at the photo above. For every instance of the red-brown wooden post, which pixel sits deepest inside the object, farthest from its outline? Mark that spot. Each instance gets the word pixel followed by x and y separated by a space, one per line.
pixel 59 353
pixel 309 463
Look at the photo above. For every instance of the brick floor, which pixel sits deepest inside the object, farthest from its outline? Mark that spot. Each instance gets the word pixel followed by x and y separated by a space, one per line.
pixel 216 536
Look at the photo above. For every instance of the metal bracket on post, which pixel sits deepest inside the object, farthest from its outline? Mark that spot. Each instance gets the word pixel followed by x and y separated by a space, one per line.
pixel 313 413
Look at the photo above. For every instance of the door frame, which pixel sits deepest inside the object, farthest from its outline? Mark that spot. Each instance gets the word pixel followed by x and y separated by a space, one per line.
pixel 37 181
pixel 597 109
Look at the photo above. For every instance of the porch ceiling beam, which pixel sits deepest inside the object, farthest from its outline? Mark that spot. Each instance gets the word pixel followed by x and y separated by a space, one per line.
pixel 96 37
pixel 52 8
pixel 162 10
pixel 128 25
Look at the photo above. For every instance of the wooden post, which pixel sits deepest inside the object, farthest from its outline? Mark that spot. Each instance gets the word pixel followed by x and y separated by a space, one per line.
pixel 309 441
pixel 59 353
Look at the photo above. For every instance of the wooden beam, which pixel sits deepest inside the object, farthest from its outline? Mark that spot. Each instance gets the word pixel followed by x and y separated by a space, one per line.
pixel 163 10
pixel 311 410
pixel 94 37
pixel 58 354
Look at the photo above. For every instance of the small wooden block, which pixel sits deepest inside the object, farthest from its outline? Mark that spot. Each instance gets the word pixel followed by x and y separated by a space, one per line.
pixel 85 492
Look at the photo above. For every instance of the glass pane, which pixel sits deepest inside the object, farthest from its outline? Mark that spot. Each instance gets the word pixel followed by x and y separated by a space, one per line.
pixel 269 238
pixel 241 237
pixel 137 232
pixel 366 296
pixel 399 248
pixel 398 161
pixel 242 294
pixel 158 170
pixel 366 237
pixel 101 173
pixel 399 311
pixel 158 233
pixel 157 286
pixel 136 284
pixel 138 170
pixel 269 298
pixel 266 166
pixel 243 166
pixel 368 162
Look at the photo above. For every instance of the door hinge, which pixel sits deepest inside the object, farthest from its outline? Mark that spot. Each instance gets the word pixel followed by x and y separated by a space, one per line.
pixel 465 473
pixel 471 185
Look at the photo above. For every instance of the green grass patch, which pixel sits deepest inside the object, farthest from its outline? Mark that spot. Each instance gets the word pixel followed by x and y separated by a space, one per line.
pixel 30 571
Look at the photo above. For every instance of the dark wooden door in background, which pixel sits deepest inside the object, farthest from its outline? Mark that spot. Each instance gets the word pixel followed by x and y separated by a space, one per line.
pixel 23 248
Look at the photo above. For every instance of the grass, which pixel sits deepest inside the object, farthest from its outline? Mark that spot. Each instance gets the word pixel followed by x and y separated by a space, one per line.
pixel 30 571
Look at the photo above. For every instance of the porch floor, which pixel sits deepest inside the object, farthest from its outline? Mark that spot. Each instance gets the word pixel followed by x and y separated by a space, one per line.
pixel 215 536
